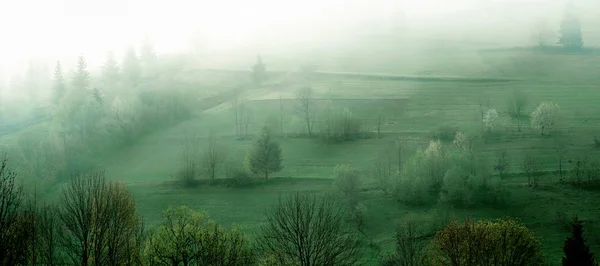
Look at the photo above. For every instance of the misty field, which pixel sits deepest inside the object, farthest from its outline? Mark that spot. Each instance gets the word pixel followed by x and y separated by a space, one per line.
pixel 394 105
pixel 412 111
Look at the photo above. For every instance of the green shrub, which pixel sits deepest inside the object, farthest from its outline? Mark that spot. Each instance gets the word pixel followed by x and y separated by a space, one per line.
pixel 503 243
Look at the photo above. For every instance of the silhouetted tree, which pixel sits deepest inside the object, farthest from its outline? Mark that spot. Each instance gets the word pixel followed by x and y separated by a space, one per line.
pixel 58 86
pixel 303 229
pixel 259 72
pixel 410 246
pixel 81 77
pixel 110 70
pixel 577 252
pixel 15 232
pixel 265 156
pixel 99 220
pixel 570 29
pixel 48 233
pixel 502 162
pixel 132 68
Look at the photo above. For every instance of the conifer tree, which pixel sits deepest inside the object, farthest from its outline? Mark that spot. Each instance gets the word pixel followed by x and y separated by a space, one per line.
pixel 577 252
pixel 58 86
pixel 81 77
pixel 132 67
pixel 110 70
pixel 570 29
pixel 266 157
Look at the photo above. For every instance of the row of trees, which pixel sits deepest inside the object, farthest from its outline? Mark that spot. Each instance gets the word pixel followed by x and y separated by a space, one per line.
pixel 95 223
pixel 88 121
pixel 264 158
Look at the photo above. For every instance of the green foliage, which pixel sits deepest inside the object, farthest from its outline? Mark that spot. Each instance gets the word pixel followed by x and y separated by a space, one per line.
pixel 265 157
pixel 503 242
pixel 423 175
pixel 577 252
pixel 191 238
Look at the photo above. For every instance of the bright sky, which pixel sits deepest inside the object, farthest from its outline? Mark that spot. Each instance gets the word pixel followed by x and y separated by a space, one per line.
pixel 92 27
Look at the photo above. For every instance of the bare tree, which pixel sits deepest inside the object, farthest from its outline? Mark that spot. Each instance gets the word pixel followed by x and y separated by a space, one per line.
pixel 348 182
pixel 123 226
pixel 303 229
pixel 531 169
pixel 280 114
pixel 213 157
pixel 77 216
pixel 235 106
pixel 14 230
pixel 409 246
pixel 306 107
pixel 48 235
pixel 99 220
pixel 502 162
pixel 245 118
pixel 561 149
pixel 384 167
pixel 190 159
pixel 517 103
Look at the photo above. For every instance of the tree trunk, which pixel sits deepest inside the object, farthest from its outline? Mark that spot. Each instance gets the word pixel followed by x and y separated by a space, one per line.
pixel 266 175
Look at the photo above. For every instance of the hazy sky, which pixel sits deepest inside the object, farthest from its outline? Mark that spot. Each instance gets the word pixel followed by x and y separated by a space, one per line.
pixel 34 28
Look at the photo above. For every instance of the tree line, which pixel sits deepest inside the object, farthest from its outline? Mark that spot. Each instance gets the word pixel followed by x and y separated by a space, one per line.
pixel 95 223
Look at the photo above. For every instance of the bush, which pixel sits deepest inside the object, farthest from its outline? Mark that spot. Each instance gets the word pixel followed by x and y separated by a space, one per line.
pixel 348 182
pixel 503 243
pixel 342 126
pixel 423 175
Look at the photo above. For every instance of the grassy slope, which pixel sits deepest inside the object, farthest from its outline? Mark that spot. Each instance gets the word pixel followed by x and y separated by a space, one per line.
pixel 568 82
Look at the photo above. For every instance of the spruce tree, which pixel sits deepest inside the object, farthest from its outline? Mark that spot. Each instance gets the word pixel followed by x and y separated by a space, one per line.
pixel 259 72
pixel 58 86
pixel 131 66
pixel 570 29
pixel 110 70
pixel 577 252
pixel 81 77
pixel 266 157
